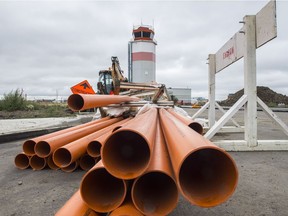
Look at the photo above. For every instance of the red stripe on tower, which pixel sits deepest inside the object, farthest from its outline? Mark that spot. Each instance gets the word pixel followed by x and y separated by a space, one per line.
pixel 143 56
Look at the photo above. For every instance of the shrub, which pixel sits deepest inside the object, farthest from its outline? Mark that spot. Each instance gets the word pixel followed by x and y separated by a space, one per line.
pixel 13 101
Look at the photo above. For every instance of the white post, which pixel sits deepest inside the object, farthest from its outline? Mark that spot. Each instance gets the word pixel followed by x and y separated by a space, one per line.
pixel 250 88
pixel 211 90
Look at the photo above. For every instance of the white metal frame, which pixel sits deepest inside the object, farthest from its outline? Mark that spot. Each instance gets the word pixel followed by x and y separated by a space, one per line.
pixel 249 100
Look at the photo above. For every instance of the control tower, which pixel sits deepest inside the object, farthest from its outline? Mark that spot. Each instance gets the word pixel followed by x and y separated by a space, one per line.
pixel 142 55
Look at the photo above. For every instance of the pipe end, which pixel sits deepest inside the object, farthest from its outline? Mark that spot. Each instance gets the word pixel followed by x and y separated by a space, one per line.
pixel 42 149
pixel 126 154
pixel 208 177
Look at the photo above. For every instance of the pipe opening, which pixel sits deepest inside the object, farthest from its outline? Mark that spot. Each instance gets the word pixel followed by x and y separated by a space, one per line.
pixel 37 163
pixel 42 149
pixel 70 168
pixel 51 163
pixel 87 162
pixel 126 154
pixel 22 161
pixel 62 157
pixel 102 191
pixel 94 148
pixel 75 102
pixel 155 193
pixel 208 177
pixel 196 127
pixel 28 147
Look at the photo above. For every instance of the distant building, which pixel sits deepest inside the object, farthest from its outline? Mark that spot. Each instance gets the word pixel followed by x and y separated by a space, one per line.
pixel 182 94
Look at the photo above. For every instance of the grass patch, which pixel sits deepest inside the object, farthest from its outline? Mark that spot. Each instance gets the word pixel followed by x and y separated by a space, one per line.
pixel 15 106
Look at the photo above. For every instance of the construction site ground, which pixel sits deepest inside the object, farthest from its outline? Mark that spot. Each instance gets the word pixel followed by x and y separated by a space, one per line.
pixel 262 188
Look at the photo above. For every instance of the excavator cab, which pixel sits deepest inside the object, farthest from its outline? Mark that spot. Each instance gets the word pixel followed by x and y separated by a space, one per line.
pixel 109 80
pixel 105 82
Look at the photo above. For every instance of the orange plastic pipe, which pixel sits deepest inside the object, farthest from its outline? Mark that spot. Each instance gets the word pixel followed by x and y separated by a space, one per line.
pixel 70 152
pixel 127 152
pixel 28 145
pixel 155 192
pixel 47 146
pixel 206 175
pixel 22 161
pixel 75 207
pixel 189 122
pixel 126 209
pixel 51 163
pixel 72 167
pixel 37 163
pixel 86 162
pixel 94 147
pixel 78 102
pixel 101 191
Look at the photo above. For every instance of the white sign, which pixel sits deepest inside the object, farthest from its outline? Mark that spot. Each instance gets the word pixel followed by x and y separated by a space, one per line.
pixel 266 26
pixel 266 30
pixel 232 51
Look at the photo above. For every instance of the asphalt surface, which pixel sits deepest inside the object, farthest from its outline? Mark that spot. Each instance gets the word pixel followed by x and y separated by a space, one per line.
pixel 262 188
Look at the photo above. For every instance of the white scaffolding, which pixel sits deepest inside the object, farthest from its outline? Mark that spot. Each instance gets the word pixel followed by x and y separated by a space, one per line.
pixel 257 30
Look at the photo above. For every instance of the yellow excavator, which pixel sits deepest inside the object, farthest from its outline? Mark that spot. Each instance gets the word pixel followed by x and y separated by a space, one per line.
pixel 112 81
pixel 109 80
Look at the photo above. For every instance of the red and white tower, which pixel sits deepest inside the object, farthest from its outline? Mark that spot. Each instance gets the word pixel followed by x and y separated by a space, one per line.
pixel 142 55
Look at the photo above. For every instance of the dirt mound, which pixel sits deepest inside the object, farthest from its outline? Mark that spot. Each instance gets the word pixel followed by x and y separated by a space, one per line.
pixel 269 97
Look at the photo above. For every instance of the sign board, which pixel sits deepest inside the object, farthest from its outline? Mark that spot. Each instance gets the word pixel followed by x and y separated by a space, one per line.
pixel 82 88
pixel 232 51
pixel 266 30
pixel 266 25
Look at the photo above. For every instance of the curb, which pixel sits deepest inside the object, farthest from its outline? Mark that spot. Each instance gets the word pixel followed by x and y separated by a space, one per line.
pixel 4 138
pixel 28 134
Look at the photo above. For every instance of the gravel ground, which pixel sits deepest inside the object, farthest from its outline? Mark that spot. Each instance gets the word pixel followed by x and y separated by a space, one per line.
pixel 262 187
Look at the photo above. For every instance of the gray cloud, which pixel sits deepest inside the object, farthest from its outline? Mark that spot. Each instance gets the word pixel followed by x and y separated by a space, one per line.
pixel 50 46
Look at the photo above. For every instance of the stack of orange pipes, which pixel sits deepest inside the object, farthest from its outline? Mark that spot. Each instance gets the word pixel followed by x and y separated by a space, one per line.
pixel 146 161
pixel 142 171
pixel 66 149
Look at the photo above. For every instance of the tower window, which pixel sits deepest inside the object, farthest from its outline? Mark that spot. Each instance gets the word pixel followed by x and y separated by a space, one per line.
pixel 137 34
pixel 146 34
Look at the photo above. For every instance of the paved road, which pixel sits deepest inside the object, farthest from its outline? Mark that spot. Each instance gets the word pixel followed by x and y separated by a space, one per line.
pixel 262 188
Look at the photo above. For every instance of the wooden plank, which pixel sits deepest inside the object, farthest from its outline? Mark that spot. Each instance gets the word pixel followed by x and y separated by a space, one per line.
pixel 223 120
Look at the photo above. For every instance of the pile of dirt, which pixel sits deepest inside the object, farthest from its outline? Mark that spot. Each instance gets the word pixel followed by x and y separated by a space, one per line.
pixel 270 97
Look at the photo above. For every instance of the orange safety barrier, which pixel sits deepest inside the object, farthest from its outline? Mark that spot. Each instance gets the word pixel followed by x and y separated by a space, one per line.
pixel 206 175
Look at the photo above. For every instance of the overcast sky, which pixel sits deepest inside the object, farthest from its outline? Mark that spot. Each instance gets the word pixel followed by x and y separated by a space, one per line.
pixel 49 46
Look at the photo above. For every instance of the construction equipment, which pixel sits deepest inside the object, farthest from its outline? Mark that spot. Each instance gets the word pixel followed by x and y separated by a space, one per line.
pixel 109 80
pixel 112 81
